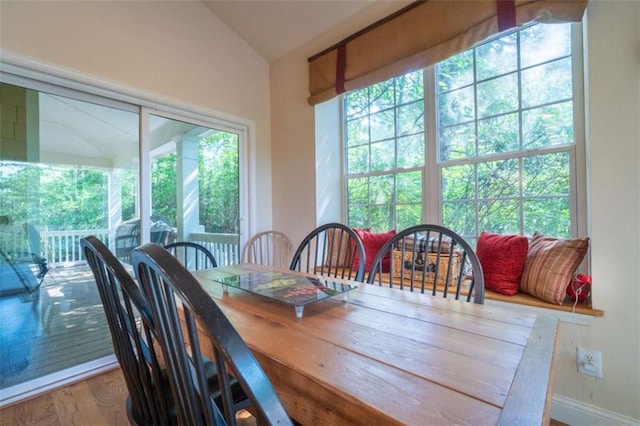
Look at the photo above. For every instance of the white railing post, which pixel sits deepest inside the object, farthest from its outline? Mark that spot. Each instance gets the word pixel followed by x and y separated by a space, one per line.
pixel 62 248
pixel 224 247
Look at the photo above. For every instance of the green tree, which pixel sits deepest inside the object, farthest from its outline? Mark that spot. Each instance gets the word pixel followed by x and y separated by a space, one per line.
pixel 163 188
pixel 219 183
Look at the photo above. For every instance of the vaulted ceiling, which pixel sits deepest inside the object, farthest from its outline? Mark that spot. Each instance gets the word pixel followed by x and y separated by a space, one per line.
pixel 275 27
pixel 271 27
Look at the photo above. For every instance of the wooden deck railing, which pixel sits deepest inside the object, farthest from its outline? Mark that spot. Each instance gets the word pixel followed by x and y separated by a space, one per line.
pixel 62 248
pixel 224 247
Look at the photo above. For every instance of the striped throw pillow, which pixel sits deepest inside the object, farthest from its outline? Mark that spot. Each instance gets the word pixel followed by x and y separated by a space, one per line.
pixel 550 266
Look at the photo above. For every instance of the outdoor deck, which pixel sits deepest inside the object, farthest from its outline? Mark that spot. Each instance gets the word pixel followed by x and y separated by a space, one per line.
pixel 64 328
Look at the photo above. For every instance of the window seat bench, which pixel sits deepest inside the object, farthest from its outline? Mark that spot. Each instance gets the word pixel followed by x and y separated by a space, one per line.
pixel 520 298
pixel 526 299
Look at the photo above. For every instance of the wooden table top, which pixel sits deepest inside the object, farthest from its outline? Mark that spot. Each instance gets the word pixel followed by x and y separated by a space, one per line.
pixel 390 356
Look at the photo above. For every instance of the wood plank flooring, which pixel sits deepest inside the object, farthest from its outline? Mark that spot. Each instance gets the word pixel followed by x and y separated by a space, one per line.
pixel 97 401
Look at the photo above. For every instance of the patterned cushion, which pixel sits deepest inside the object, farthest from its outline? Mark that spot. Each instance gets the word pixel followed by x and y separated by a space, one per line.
pixel 424 245
pixel 550 266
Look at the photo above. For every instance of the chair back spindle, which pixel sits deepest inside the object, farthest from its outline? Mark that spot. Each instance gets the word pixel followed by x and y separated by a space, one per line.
pixel 331 250
pixel 179 304
pixel 271 248
pixel 193 256
pixel 129 320
pixel 430 259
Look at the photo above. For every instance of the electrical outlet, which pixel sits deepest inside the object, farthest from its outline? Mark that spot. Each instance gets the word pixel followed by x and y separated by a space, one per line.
pixel 589 362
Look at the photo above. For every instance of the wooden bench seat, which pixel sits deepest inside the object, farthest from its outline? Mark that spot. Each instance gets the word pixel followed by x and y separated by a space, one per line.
pixel 524 299
pixel 529 300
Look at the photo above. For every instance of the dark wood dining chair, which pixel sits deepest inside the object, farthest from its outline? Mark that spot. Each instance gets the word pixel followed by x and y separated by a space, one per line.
pixel 178 305
pixel 429 259
pixel 330 250
pixel 272 248
pixel 149 400
pixel 193 256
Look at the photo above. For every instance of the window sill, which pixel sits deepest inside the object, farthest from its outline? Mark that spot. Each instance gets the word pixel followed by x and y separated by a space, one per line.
pixel 583 314
pixel 521 302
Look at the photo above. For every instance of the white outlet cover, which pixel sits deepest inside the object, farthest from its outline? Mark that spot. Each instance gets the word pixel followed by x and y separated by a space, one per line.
pixel 593 368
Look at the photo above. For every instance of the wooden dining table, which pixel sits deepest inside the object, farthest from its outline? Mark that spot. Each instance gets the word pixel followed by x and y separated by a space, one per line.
pixel 390 356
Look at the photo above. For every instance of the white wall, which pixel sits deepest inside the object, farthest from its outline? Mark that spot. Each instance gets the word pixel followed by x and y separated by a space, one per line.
pixel 329 162
pixel 178 50
pixel 614 162
pixel 613 80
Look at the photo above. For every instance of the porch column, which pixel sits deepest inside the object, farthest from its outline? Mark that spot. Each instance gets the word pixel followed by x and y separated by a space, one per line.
pixel 114 204
pixel 187 193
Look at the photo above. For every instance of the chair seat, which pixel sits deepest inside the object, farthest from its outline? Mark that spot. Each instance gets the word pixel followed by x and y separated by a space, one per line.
pixel 239 397
pixel 17 278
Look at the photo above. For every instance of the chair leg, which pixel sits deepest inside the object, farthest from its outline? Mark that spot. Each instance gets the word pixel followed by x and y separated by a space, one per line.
pixel 245 418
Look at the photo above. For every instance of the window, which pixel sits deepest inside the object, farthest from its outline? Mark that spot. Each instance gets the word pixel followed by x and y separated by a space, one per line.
pixel 497 152
pixel 385 141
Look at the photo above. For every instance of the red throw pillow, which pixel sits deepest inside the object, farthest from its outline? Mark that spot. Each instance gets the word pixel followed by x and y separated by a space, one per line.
pixel 372 243
pixel 502 258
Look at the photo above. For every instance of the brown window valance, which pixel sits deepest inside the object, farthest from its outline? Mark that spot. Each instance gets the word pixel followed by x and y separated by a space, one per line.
pixel 422 34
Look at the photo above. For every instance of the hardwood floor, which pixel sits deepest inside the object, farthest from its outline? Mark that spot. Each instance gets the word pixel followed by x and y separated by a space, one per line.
pixel 97 401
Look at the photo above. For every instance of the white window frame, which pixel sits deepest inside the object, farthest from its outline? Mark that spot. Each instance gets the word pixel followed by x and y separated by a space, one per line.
pixel 370 174
pixel 432 171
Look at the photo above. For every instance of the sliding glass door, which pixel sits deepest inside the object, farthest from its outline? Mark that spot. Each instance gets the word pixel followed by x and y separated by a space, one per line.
pixel 195 184
pixel 62 163
pixel 72 165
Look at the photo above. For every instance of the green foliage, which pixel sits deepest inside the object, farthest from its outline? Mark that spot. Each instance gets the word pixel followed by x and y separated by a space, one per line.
pixel 128 195
pixel 163 188
pixel 56 196
pixel 455 72
pixel 497 57
pixel 384 132
pixel 69 197
pixel 550 216
pixel 490 192
pixel 19 189
pixel 219 183
pixel 497 96
pixel 500 106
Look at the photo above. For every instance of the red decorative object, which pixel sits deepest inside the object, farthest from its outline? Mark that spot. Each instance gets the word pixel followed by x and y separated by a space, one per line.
pixel 373 242
pixel 579 288
pixel 502 258
pixel 506 14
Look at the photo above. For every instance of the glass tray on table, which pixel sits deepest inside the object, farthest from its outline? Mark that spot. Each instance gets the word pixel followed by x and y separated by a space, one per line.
pixel 295 290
